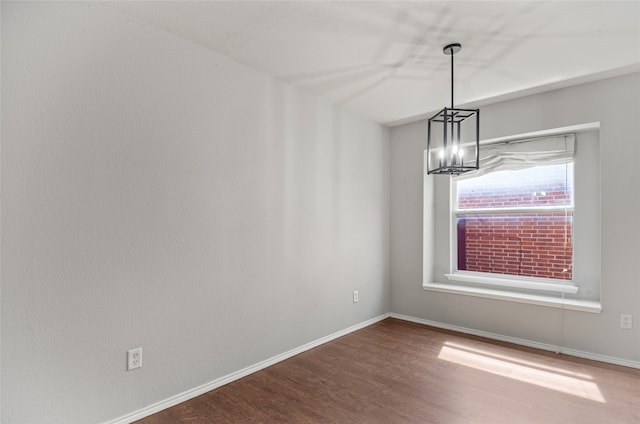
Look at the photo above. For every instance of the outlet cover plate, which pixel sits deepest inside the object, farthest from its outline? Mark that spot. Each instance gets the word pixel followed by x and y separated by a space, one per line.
pixel 626 321
pixel 134 359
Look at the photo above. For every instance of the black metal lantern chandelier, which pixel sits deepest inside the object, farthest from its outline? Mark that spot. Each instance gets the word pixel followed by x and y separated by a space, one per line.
pixel 453 135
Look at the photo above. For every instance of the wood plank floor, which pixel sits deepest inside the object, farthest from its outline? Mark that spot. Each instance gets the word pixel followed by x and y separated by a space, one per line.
pixel 400 372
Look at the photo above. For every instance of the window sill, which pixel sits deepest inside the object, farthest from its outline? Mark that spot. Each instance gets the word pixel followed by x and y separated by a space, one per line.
pixel 493 280
pixel 533 299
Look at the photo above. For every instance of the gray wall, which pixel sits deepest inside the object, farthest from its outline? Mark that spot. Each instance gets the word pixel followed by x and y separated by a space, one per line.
pixel 158 195
pixel 615 103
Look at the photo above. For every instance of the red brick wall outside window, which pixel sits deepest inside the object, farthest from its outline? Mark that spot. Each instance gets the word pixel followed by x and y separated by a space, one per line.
pixel 536 242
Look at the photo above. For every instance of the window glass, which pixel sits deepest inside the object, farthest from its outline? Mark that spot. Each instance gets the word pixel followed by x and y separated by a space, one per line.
pixel 550 185
pixel 517 222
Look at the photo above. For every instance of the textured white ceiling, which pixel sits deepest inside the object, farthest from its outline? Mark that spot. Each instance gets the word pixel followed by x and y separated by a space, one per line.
pixel 384 59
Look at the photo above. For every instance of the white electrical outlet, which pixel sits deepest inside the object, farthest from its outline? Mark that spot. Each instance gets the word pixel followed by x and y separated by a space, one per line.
pixel 134 359
pixel 626 321
pixel 355 296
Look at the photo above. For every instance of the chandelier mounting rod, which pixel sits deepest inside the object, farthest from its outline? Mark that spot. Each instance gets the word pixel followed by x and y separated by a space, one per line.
pixel 452 49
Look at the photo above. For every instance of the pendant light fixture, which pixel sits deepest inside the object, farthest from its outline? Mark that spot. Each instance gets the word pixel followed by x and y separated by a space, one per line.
pixel 453 135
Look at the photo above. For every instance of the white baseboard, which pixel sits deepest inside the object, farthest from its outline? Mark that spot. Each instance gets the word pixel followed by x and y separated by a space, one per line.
pixel 522 342
pixel 197 391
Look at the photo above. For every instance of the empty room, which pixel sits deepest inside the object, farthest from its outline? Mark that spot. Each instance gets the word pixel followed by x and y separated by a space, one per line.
pixel 319 212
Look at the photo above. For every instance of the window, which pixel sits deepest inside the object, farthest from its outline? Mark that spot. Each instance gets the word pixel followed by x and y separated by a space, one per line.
pixel 516 222
pixel 525 227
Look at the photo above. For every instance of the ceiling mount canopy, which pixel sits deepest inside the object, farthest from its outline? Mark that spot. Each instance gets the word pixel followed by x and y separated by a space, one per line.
pixel 452 48
pixel 453 134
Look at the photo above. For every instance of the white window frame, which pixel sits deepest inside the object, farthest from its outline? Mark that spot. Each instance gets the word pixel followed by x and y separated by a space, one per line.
pixel 501 280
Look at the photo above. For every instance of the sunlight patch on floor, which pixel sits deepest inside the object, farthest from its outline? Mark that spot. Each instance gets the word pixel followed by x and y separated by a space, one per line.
pixel 532 364
pixel 553 378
